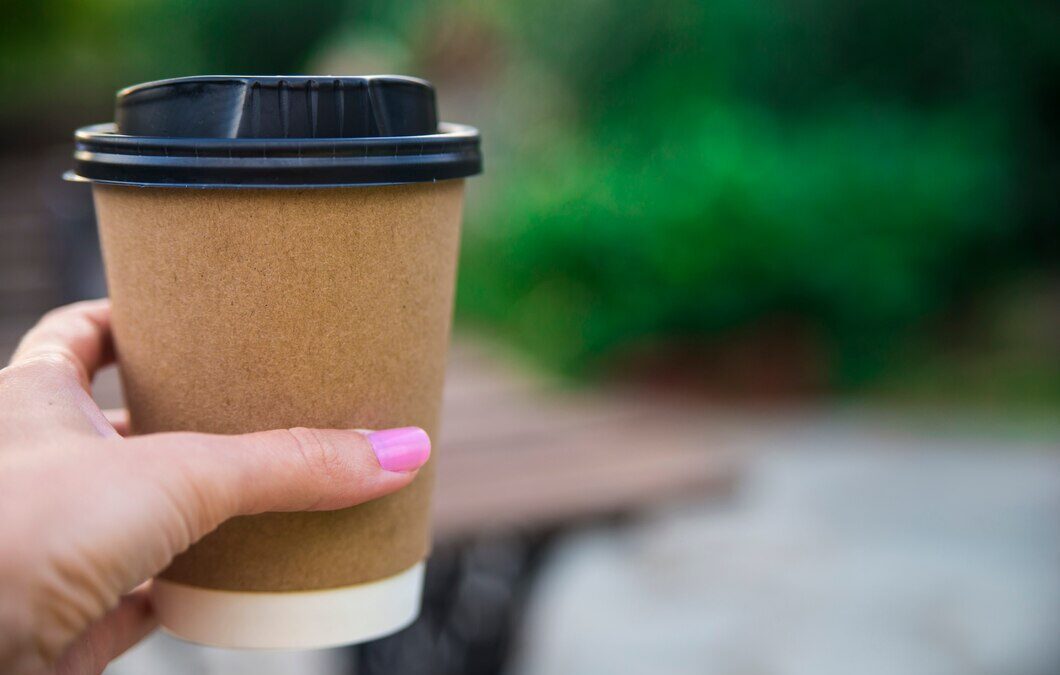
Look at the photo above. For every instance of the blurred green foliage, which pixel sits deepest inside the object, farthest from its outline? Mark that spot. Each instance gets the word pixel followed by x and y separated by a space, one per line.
pixel 862 166
pixel 856 222
pixel 672 171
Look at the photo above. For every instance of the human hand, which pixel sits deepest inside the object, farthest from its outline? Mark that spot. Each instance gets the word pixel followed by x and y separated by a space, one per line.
pixel 88 516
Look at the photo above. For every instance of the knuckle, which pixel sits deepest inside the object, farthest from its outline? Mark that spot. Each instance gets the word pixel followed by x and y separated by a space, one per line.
pixel 42 367
pixel 56 313
pixel 64 312
pixel 323 459
pixel 58 361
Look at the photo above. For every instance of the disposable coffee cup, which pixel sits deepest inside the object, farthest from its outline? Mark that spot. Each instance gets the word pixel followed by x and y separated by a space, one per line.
pixel 281 252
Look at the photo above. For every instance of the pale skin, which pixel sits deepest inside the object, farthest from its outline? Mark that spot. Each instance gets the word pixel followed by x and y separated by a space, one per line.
pixel 88 516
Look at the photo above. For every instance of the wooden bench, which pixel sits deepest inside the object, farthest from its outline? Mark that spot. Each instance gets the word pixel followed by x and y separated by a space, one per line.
pixel 520 451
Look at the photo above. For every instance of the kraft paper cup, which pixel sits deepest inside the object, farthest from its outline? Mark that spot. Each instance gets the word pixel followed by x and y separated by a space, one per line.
pixel 242 310
pixel 245 307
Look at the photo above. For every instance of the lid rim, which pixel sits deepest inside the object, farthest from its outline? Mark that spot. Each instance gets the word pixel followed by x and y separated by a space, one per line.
pixel 72 176
pixel 103 156
pixel 448 131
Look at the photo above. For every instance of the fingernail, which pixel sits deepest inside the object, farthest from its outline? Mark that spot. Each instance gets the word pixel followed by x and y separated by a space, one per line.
pixel 404 449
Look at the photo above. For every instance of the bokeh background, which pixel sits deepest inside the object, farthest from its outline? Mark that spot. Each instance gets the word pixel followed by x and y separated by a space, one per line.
pixel 771 213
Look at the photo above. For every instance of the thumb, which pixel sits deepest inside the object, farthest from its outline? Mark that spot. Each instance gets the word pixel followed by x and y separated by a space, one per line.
pixel 210 478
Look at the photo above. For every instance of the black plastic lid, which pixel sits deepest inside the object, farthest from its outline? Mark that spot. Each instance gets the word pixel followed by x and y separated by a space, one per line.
pixel 235 131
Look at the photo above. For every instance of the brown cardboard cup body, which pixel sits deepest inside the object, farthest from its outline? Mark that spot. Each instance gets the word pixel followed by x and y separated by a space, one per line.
pixel 244 310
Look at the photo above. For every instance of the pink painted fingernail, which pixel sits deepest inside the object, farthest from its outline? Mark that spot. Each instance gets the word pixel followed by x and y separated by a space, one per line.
pixel 404 449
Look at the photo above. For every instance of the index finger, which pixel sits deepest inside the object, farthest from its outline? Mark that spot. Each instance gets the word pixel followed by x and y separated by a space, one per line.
pixel 78 333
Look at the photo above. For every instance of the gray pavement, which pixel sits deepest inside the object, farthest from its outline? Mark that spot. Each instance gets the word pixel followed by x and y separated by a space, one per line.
pixel 856 544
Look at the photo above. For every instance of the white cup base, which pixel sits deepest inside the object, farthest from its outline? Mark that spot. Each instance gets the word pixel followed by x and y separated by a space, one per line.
pixel 290 620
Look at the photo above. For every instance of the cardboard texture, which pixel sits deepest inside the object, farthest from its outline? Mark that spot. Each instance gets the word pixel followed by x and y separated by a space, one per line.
pixel 244 310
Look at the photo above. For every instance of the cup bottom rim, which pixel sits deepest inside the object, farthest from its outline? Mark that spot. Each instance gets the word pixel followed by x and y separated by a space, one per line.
pixel 311 619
